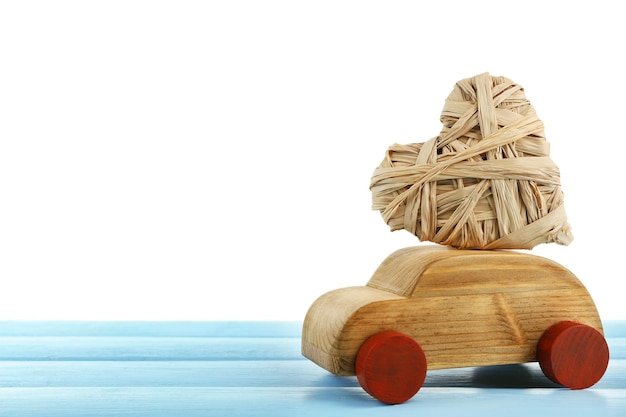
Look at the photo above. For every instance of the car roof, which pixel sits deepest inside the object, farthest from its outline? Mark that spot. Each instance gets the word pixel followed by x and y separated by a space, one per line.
pixel 438 270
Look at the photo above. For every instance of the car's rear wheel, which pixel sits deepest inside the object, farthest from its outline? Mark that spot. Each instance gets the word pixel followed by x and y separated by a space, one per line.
pixel 573 355
pixel 391 367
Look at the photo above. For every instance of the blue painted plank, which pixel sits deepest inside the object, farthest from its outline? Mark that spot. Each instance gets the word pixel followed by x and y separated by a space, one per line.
pixel 148 348
pixel 252 369
pixel 617 347
pixel 19 328
pixel 161 373
pixel 303 402
pixel 614 328
pixel 247 374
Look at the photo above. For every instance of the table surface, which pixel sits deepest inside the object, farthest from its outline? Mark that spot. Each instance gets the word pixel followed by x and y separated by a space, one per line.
pixel 253 369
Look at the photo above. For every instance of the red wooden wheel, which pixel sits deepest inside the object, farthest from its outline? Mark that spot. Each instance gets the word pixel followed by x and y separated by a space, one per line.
pixel 573 355
pixel 391 367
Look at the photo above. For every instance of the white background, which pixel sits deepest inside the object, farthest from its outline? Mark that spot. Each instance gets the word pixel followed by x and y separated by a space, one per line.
pixel 169 160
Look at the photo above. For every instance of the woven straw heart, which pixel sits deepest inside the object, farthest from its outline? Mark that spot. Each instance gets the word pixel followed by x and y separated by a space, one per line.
pixel 486 182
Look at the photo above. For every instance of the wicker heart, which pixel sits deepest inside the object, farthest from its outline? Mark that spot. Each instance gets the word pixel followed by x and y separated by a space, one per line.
pixel 486 182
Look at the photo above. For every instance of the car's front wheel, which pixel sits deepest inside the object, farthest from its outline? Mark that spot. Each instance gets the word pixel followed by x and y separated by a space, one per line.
pixel 391 367
pixel 573 355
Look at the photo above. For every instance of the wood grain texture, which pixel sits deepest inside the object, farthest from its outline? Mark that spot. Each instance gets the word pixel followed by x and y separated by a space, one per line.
pixel 464 308
pixel 573 355
pixel 391 367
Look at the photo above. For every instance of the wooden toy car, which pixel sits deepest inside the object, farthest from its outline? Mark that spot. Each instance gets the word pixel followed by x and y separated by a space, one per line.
pixel 434 307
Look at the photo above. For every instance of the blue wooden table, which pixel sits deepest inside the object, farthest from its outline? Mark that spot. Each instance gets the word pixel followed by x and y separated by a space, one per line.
pixel 253 369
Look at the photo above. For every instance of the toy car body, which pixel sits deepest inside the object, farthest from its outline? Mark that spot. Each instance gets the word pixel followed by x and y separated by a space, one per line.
pixel 463 308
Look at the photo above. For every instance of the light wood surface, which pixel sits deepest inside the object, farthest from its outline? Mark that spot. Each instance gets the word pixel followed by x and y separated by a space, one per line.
pixel 464 308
